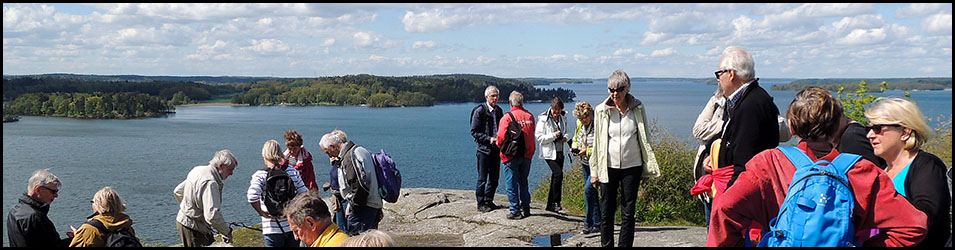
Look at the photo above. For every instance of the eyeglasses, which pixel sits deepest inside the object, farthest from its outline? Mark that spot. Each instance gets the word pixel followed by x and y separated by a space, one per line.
pixel 54 191
pixel 618 89
pixel 877 128
pixel 494 95
pixel 720 72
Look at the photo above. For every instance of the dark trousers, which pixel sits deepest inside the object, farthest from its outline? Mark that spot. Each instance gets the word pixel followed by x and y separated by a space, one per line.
pixel 192 238
pixel 362 218
pixel 556 179
pixel 629 181
pixel 489 171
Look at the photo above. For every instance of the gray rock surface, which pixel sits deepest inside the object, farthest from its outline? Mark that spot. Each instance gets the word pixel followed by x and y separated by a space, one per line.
pixel 446 217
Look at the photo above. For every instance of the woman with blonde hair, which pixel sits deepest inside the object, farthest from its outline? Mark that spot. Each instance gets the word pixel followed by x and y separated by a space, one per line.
pixel 370 238
pixel 275 228
pixel 897 130
pixel 107 216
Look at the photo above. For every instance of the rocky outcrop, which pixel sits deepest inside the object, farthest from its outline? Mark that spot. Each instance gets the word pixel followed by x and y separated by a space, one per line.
pixel 446 217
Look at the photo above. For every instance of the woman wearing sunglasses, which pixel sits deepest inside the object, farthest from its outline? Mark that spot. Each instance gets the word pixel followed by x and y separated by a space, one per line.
pixel 897 130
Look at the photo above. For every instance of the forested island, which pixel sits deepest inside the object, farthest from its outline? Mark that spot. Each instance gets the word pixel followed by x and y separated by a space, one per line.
pixel 131 96
pixel 852 84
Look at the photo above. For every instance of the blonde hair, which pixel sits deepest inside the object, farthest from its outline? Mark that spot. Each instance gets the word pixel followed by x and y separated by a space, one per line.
pixel 106 201
pixel 583 110
pixel 892 110
pixel 271 151
pixel 370 238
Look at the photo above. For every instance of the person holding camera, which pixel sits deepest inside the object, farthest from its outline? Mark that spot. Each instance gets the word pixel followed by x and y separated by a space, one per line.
pixel 582 147
pixel 550 135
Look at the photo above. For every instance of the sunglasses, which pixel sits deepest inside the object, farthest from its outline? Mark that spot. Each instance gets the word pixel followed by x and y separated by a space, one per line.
pixel 54 191
pixel 877 128
pixel 720 72
pixel 618 89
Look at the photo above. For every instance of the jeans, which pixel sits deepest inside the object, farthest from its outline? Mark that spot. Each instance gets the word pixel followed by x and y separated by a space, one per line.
pixel 629 180
pixel 281 240
pixel 556 178
pixel 341 221
pixel 489 171
pixel 515 175
pixel 591 200
pixel 362 218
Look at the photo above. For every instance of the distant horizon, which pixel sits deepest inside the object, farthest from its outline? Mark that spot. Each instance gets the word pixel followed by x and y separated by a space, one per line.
pixel 435 74
pixel 508 40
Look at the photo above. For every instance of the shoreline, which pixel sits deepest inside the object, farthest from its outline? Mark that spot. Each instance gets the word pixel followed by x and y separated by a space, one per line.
pixel 212 104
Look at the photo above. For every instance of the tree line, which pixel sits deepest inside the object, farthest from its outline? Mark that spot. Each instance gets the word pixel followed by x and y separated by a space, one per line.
pixel 13 87
pixel 97 105
pixel 381 91
pixel 833 85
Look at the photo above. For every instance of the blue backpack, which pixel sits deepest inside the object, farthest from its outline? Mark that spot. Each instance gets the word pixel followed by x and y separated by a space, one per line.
pixel 389 179
pixel 818 207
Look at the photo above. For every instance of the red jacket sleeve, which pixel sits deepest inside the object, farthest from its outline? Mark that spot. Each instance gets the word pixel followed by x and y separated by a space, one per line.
pixel 900 223
pixel 733 211
pixel 502 129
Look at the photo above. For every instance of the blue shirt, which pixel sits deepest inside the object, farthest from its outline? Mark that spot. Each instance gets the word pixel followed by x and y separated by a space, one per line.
pixel 899 180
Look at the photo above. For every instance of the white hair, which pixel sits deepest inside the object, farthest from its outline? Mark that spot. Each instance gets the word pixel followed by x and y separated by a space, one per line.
pixel 330 139
pixel 223 157
pixel 516 99
pixel 739 60
pixel 618 79
pixel 487 91
pixel 42 178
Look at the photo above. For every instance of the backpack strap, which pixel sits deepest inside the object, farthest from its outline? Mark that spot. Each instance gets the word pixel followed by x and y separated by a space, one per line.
pixel 98 225
pixel 844 162
pixel 796 156
pixel 512 117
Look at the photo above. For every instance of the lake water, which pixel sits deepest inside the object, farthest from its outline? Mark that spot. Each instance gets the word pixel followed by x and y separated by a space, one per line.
pixel 144 159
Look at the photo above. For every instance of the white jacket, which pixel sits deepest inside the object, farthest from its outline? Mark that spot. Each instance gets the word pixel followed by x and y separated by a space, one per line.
pixel 545 131
pixel 200 201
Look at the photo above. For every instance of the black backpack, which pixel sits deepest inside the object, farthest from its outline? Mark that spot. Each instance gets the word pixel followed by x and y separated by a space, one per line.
pixel 279 189
pixel 119 238
pixel 513 144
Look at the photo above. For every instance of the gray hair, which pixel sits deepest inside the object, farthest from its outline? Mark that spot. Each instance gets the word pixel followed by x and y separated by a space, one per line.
pixel 739 60
pixel 307 204
pixel 618 78
pixel 330 139
pixel 487 91
pixel 223 157
pixel 41 178
pixel 516 99
pixel 108 202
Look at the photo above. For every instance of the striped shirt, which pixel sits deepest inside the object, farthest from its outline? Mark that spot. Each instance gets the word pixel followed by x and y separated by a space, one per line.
pixel 278 225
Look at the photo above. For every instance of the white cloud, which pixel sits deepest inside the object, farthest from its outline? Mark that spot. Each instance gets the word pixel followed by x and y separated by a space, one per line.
pixel 916 10
pixel 328 42
pixel 623 52
pixel 366 39
pixel 938 24
pixel 863 36
pixel 268 46
pixel 579 57
pixel 663 52
pixel 424 44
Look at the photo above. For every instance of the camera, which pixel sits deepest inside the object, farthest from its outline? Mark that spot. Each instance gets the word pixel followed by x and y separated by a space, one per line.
pixel 575 151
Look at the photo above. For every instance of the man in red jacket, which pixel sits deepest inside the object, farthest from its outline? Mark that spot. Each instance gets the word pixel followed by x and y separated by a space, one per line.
pixel 757 196
pixel 517 168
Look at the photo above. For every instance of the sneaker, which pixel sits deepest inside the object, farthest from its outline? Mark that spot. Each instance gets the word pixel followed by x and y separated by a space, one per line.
pixel 527 213
pixel 514 216
pixel 557 207
pixel 492 206
pixel 483 208
pixel 591 230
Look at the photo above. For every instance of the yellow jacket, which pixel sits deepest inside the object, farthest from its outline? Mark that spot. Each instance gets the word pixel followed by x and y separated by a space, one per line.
pixel 331 237
pixel 88 236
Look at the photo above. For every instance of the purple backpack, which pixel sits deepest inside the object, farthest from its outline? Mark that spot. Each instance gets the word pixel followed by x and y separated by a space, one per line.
pixel 389 178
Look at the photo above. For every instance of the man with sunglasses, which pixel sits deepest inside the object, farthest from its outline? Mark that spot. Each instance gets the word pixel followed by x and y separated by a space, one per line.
pixel 484 118
pixel 27 223
pixel 749 120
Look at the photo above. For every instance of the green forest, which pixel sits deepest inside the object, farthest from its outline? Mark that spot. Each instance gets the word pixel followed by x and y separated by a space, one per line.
pixel 833 85
pixel 97 105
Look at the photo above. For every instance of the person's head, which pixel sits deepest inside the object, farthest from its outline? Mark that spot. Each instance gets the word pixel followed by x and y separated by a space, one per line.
pixel 516 99
pixel 491 94
pixel 341 134
pixel 308 216
pixel 556 107
pixel 618 85
pixel 584 112
pixel 814 114
pixel 271 152
pixel 293 142
pixel 224 162
pixel 106 201
pixel 896 124
pixel 735 69
pixel 331 143
pixel 44 186
pixel 370 238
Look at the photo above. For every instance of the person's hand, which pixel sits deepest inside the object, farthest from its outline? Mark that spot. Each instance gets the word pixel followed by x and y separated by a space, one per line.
pixel 72 232
pixel 706 165
pixel 265 214
pixel 347 211
pixel 558 135
pixel 593 181
pixel 227 238
pixel 582 151
pixel 493 141
pixel 331 160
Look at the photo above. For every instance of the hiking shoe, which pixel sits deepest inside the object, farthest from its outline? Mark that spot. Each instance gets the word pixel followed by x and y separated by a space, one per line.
pixel 514 216
pixel 492 206
pixel 483 208
pixel 590 230
pixel 527 213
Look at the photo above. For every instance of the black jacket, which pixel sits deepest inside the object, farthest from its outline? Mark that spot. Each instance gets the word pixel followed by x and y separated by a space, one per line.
pixel 752 128
pixel 925 188
pixel 29 226
pixel 854 141
pixel 482 127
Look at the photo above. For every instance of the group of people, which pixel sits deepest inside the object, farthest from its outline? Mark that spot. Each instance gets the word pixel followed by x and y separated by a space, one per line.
pixel 304 220
pixel 611 141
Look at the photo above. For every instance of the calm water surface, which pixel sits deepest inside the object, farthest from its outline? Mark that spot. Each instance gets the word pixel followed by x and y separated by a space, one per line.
pixel 144 159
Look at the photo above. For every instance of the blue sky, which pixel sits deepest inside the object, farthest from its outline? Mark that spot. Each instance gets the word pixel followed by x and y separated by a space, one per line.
pixel 790 40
